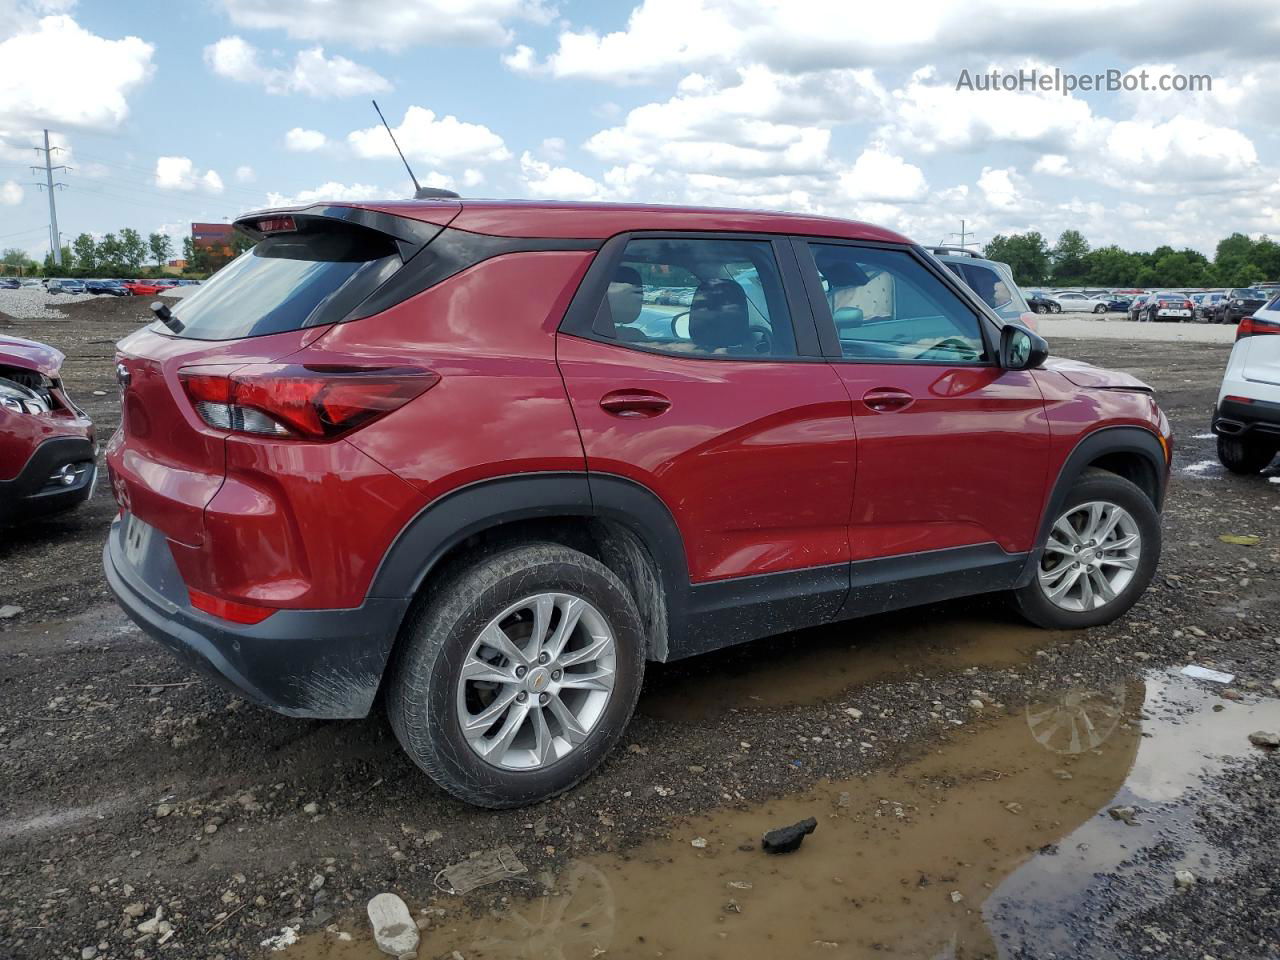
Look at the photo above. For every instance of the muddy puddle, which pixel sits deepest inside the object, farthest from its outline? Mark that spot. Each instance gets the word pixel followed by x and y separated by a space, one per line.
pixel 995 842
pixel 817 665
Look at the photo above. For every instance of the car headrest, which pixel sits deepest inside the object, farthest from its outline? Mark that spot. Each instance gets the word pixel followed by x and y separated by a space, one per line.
pixel 626 292
pixel 838 269
pixel 718 315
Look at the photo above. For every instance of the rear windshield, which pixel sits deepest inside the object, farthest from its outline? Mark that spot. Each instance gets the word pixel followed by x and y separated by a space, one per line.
pixel 288 281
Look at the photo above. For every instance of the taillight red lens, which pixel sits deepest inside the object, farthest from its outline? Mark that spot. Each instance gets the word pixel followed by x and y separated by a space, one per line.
pixel 301 402
pixel 1254 327
pixel 277 225
pixel 228 609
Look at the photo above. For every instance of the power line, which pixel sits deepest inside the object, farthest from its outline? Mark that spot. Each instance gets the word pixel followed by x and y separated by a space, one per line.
pixel 21 233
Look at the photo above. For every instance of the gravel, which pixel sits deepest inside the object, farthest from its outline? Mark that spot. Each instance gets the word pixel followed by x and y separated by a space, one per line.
pixel 33 303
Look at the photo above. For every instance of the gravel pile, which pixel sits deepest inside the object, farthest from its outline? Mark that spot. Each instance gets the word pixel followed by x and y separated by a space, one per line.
pixel 31 303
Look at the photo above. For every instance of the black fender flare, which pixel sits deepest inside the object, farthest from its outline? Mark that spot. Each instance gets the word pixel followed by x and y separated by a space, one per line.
pixel 448 520
pixel 1099 443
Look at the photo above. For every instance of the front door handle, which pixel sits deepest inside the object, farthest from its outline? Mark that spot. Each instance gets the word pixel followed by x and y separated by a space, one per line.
pixel 887 399
pixel 634 403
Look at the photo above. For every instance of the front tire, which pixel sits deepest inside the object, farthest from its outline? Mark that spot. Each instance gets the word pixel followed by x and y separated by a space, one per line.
pixel 518 676
pixel 1244 455
pixel 1099 309
pixel 1098 558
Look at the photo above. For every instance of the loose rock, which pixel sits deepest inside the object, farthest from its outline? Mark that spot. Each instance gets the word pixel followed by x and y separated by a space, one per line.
pixel 788 839
pixel 1265 738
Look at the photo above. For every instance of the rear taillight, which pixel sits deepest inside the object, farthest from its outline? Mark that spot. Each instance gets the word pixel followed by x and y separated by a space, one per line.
pixel 1186 304
pixel 295 402
pixel 1255 327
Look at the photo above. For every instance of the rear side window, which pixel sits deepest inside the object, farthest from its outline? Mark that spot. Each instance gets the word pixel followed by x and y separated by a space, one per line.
pixel 887 306
pixel 698 297
pixel 289 281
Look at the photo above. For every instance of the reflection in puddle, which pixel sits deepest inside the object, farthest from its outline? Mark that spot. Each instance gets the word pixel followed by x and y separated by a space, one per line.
pixel 989 845
pixel 816 665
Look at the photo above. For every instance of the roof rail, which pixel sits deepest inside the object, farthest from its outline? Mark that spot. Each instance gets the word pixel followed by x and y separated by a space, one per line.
pixel 962 251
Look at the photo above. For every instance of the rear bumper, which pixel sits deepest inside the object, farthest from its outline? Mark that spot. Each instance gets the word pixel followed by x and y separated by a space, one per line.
pixel 34 492
pixel 1234 419
pixel 302 663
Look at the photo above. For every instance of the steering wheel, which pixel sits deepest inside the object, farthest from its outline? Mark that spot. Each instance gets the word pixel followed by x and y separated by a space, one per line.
pixel 762 340
pixel 675 334
pixel 950 344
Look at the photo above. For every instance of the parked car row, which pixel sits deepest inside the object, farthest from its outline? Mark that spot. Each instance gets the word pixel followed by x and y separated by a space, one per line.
pixel 115 288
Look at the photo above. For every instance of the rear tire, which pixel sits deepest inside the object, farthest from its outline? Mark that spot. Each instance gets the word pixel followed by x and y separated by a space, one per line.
pixel 1126 567
pixel 1099 309
pixel 1244 455
pixel 520 594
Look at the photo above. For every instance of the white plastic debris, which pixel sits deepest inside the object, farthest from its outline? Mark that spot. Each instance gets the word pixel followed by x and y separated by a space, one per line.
pixel 287 937
pixel 1204 673
pixel 393 926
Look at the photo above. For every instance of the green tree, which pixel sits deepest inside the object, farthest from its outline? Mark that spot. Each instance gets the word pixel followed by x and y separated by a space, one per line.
pixel 1111 266
pixel 110 255
pixel 240 242
pixel 1068 258
pixel 132 248
pixel 15 260
pixel 161 248
pixel 86 251
pixel 50 269
pixel 1027 254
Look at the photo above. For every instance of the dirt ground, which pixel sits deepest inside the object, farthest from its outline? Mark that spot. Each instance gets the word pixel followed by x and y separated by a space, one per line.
pixel 131 788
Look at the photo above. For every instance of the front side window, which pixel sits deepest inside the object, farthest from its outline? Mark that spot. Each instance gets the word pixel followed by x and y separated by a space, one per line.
pixel 887 306
pixel 698 297
pixel 996 290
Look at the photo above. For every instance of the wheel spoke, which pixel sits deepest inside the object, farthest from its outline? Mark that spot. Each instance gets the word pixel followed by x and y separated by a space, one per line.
pixel 1110 521
pixel 497 747
pixel 1057 546
pixel 1102 585
pixel 598 679
pixel 543 746
pixel 1094 522
pixel 478 724
pixel 1121 562
pixel 542 609
pixel 1124 543
pixel 573 731
pixel 495 638
pixel 1086 590
pixel 1067 532
pixel 477 669
pixel 1065 585
pixel 570 614
pixel 590 652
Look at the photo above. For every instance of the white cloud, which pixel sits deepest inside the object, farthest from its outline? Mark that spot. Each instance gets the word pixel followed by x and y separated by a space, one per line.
pixel 521 59
pixel 311 73
pixel 332 190
pixel 439 141
pixel 878 175
pixel 1003 189
pixel 543 180
pixel 179 173
pixel 664 36
pixel 245 174
pixel 305 141
pixel 390 24
pixel 10 193
pixel 758 122
pixel 58 73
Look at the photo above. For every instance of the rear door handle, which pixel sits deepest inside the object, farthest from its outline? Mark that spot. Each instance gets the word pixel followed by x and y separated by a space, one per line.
pixel 887 399
pixel 634 403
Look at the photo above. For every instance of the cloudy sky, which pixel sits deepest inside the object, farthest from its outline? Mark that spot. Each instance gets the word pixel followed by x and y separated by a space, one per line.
pixel 203 109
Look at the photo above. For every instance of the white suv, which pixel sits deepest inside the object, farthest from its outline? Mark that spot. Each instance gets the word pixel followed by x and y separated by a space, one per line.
pixel 1247 420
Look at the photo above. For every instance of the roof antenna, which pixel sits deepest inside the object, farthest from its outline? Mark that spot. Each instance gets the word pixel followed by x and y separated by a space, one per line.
pixel 419 192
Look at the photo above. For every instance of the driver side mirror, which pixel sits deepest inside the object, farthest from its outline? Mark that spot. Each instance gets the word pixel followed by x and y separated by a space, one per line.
pixel 1020 349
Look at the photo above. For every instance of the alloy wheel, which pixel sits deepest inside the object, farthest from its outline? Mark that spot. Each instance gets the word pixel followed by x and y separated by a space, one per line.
pixel 536 681
pixel 1091 556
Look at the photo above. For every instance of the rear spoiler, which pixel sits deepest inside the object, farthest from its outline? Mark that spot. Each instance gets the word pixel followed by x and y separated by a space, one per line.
pixel 410 235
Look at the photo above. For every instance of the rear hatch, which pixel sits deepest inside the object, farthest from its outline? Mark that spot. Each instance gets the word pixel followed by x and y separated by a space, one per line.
pixel 310 269
pixel 1261 361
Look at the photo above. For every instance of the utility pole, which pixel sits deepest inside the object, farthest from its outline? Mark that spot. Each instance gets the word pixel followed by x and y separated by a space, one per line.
pixel 963 235
pixel 55 240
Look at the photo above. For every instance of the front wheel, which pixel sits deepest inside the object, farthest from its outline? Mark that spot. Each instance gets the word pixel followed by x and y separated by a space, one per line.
pixel 518 676
pixel 1098 558
pixel 1099 309
pixel 1041 308
pixel 1245 455
pixel 1056 307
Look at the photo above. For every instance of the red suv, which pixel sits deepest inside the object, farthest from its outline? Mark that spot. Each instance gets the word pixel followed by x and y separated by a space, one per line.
pixel 489 458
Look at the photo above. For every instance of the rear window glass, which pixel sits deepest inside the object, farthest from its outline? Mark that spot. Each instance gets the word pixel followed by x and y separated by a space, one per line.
pixel 288 281
pixel 997 291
